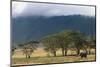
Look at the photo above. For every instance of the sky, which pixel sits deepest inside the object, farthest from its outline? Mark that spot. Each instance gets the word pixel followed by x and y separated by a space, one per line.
pixel 44 9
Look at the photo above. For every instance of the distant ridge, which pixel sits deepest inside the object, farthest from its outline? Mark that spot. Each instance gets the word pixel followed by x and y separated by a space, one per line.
pixel 35 27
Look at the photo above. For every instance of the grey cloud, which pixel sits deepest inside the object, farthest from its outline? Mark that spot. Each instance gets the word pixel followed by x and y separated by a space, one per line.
pixel 43 9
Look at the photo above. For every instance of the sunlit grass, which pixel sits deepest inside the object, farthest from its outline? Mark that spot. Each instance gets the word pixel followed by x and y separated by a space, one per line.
pixel 41 57
pixel 46 60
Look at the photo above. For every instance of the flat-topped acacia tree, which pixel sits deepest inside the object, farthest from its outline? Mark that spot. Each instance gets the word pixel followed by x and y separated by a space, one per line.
pixel 28 48
pixel 65 40
pixel 51 44
pixel 79 40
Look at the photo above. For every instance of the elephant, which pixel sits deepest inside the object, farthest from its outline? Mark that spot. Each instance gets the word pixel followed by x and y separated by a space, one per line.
pixel 83 54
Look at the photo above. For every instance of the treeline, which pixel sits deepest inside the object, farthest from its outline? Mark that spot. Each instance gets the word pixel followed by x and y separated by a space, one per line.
pixel 66 40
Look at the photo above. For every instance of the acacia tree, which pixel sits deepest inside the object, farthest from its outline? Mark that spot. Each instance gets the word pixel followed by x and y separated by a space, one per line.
pixel 91 43
pixel 79 39
pixel 64 41
pixel 50 44
pixel 28 48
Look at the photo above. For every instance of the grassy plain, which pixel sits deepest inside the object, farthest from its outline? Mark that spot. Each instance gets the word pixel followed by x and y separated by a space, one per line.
pixel 41 57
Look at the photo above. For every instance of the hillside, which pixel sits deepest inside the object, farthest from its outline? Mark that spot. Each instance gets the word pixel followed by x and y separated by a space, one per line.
pixel 35 27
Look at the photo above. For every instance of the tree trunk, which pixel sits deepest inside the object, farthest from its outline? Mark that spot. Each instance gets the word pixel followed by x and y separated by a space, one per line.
pixel 26 55
pixel 66 52
pixel 78 51
pixel 62 52
pixel 89 52
pixel 54 53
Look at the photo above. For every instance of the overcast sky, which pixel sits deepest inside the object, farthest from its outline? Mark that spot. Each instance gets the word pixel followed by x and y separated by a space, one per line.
pixel 43 9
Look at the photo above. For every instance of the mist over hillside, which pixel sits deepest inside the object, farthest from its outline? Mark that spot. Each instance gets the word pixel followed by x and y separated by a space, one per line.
pixel 35 27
